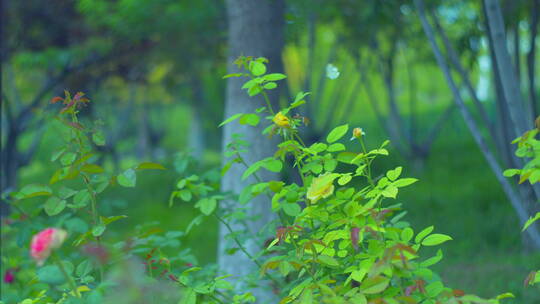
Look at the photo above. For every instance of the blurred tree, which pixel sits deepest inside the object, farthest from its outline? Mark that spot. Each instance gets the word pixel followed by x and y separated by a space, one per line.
pixel 255 29
pixel 80 45
pixel 514 114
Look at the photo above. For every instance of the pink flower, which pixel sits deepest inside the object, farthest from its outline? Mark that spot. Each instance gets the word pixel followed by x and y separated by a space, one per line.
pixel 45 242
pixel 9 276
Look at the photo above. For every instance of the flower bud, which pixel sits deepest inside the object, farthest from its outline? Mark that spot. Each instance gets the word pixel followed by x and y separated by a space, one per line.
pixel 358 133
pixel 45 242
pixel 281 120
pixel 9 276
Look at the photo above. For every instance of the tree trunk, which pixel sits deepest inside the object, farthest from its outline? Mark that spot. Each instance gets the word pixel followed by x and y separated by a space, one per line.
pixel 510 85
pixel 255 29
pixel 519 205
pixel 196 142
pixel 531 57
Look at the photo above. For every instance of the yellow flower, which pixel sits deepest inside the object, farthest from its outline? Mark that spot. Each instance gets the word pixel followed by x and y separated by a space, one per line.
pixel 281 120
pixel 321 187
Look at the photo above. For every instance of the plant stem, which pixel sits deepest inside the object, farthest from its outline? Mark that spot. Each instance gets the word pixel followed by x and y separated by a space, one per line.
pixel 95 215
pixel 268 104
pixel 69 279
pixel 244 250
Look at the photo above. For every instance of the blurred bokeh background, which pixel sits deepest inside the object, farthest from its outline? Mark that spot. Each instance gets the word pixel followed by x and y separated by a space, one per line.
pixel 153 70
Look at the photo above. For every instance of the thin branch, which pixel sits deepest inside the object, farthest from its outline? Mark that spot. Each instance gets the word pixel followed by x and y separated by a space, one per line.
pixel 437 127
pixel 454 59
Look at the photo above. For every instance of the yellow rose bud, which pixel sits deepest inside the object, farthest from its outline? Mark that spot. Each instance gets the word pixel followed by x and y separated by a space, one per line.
pixel 321 187
pixel 281 120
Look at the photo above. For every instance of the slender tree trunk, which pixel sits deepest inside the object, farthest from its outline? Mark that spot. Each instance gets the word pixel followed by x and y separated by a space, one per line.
pixel 10 167
pixel 503 127
pixel 517 50
pixel 510 85
pixel 143 138
pixel 196 140
pixel 255 29
pixel 531 57
pixel 517 203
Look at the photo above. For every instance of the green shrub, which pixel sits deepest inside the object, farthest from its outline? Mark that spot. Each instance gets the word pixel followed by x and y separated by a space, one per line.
pixel 340 237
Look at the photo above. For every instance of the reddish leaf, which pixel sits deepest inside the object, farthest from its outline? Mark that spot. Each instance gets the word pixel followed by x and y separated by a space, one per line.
pixel 56 99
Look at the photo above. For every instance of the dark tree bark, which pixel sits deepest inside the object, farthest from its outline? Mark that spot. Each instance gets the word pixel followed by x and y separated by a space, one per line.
pixel 255 29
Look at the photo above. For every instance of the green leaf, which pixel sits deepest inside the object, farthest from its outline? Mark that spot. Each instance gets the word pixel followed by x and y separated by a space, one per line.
pixel 230 119
pixel 374 285
pixel 111 219
pixel 127 178
pixel 232 75
pixel 92 169
pixel 185 195
pixel 336 147
pixel 57 154
pixel 150 166
pixel 346 157
pixel 273 165
pixel 296 104
pixel 328 260
pixel 337 133
pixel 433 260
pixel 379 152
pixel 51 274
pixel 422 234
pixel 207 205
pixel 434 289
pixel 98 230
pixel 249 119
pixel 403 182
pixel 81 199
pixel 254 90
pixel 511 172
pixel 435 239
pixel 358 275
pixel 407 234
pixel 505 295
pixel 33 190
pixel 275 186
pixel 270 85
pixel 189 297
pixel 291 209
pixel 344 179
pixel 251 169
pixel 274 77
pixel 54 205
pixel 257 68
pixel 98 138
pixel 318 147
pixel 84 268
pixel 390 191
pixel 531 220
pixel 68 158
pixel 394 174
pixel 65 192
